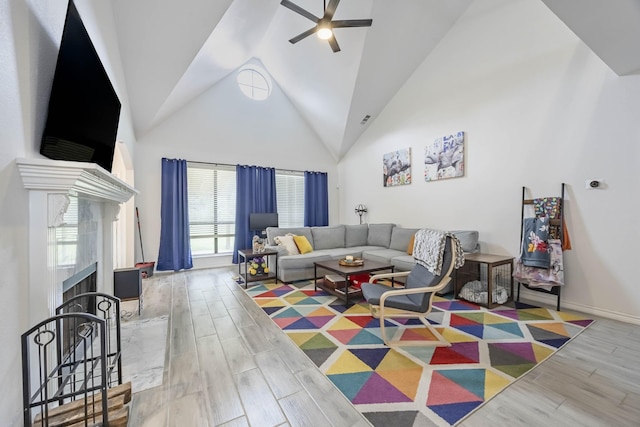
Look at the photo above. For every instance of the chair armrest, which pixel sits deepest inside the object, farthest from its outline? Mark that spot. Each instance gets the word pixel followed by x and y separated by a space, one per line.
pixel 375 277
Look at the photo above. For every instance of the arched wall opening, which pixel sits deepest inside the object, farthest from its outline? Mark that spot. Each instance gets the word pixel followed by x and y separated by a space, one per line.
pixel 124 229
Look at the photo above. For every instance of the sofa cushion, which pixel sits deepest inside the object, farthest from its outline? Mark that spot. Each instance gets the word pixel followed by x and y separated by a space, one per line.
pixel 303 244
pixel 361 249
pixel 400 238
pixel 272 232
pixel 282 251
pixel 356 235
pixel 403 262
pixel 381 255
pixel 340 253
pixel 379 234
pixel 468 240
pixel 292 262
pixel 329 237
pixel 288 242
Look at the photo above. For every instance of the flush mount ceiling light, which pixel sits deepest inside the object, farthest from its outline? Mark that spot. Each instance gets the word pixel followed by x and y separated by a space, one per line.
pixel 324 26
pixel 324 33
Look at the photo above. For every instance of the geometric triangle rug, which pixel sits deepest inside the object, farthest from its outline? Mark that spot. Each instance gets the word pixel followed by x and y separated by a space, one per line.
pixel 399 385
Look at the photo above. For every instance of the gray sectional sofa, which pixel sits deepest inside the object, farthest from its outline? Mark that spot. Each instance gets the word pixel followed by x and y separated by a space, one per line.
pixel 377 242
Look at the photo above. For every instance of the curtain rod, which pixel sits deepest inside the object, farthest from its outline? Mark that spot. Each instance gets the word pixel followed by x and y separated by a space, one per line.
pixel 227 164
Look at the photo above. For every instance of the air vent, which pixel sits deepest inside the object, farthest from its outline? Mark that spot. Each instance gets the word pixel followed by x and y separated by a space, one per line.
pixel 365 119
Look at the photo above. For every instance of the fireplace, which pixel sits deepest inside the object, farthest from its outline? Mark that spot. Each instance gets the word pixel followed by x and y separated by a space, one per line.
pixel 69 197
pixel 81 283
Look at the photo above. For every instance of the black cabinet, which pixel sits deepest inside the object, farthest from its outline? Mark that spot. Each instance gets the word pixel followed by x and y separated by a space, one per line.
pixel 127 285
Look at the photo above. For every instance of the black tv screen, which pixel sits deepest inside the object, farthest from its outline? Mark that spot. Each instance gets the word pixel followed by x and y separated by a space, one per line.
pixel 260 221
pixel 84 109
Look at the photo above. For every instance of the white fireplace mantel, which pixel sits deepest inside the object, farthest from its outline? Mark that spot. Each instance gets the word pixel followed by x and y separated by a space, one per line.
pixel 50 183
pixel 87 179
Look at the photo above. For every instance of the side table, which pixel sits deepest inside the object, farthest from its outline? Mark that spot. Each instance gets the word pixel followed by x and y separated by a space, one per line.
pixel 495 270
pixel 248 255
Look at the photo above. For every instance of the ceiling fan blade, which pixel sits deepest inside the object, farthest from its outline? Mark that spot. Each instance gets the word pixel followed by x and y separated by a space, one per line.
pixel 299 10
pixel 334 44
pixel 330 10
pixel 352 23
pixel 300 36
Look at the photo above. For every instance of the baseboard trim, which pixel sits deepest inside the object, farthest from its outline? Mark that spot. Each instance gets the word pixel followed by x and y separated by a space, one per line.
pixel 551 300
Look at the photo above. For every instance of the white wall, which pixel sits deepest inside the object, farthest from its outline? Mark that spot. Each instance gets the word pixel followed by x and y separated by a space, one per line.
pixel 15 85
pixel 30 33
pixel 224 126
pixel 538 109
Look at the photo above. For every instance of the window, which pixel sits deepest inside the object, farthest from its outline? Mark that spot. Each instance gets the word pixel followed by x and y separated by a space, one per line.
pixel 254 83
pixel 67 236
pixel 290 195
pixel 212 208
pixel 212 205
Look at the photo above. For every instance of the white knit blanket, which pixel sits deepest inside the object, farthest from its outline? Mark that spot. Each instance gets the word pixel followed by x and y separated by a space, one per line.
pixel 428 249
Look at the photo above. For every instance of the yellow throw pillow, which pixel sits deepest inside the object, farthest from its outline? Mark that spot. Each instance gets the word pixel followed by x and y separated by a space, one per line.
pixel 303 244
pixel 411 243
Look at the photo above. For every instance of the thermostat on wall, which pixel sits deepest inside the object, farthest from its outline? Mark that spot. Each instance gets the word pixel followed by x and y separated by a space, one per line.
pixel 592 184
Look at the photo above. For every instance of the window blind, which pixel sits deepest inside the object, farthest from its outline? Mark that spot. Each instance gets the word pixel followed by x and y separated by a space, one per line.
pixel 212 205
pixel 212 208
pixel 290 196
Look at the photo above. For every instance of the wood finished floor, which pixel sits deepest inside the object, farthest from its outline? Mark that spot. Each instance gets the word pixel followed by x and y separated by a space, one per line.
pixel 227 364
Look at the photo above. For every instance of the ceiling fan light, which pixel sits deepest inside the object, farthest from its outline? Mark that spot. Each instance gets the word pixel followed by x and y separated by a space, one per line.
pixel 324 33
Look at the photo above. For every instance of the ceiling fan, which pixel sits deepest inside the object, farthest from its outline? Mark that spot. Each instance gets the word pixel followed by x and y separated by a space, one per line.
pixel 325 25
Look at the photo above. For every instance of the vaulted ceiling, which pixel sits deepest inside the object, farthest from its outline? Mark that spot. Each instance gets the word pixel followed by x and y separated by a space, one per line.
pixel 173 51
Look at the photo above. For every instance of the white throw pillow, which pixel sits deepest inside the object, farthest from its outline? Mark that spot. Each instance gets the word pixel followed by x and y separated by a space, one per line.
pixel 288 242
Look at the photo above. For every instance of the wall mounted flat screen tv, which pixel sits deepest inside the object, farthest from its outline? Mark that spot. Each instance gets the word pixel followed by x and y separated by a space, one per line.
pixel 84 109
pixel 260 221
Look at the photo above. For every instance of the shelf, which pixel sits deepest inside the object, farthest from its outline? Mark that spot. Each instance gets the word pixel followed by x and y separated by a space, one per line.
pixel 555 211
pixel 353 292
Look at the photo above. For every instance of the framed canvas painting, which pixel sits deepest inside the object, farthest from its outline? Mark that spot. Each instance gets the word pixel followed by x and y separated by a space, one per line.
pixel 444 158
pixel 396 168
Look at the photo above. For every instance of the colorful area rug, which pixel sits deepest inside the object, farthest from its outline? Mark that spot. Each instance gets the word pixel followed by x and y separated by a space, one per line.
pixel 490 350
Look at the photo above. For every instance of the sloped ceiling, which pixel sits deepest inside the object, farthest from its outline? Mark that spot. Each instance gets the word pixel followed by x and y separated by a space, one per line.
pixel 611 29
pixel 174 51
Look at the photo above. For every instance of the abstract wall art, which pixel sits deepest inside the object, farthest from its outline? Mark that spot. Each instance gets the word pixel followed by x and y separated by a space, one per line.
pixel 444 158
pixel 396 168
